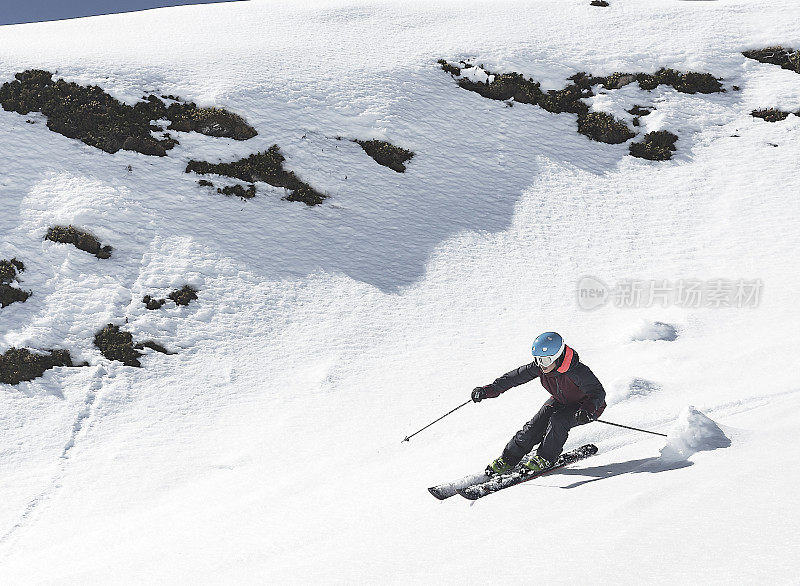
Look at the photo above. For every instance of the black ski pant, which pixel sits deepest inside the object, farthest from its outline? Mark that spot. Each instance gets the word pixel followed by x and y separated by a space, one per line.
pixel 549 428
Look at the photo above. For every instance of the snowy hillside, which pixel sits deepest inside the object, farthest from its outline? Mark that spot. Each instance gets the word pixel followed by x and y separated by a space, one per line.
pixel 265 447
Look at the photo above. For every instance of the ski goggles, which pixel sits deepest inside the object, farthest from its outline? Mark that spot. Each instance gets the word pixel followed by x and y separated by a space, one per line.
pixel 544 361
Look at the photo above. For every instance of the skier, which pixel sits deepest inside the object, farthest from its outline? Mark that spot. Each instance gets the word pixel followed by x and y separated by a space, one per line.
pixel 577 398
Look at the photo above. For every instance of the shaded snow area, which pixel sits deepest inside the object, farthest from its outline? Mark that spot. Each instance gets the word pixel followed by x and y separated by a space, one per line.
pixel 259 440
pixel 654 331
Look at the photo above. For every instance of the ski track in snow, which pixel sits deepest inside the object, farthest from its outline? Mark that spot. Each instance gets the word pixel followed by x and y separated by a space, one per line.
pixel 83 420
pixel 82 423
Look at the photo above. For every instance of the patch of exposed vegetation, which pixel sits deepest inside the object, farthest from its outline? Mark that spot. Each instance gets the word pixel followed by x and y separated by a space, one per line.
pixel 152 304
pixel 20 364
pixel 386 154
pixel 183 295
pixel 598 3
pixel 598 126
pixel 153 346
pixel 656 146
pixel 508 85
pixel 306 194
pixel 91 115
pixel 616 80
pixel 187 117
pixel 86 113
pixel 205 183
pixel 687 83
pixel 513 85
pixel 570 98
pixel 115 344
pixel 639 111
pixel 690 82
pixel 80 239
pixel 9 270
pixel 604 127
pixel 238 190
pixel 505 86
pixel 785 57
pixel 8 274
pixel 266 166
pixel 771 114
pixel 452 69
pixel 9 295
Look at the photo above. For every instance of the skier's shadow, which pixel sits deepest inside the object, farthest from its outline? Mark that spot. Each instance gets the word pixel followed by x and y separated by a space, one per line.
pixel 654 464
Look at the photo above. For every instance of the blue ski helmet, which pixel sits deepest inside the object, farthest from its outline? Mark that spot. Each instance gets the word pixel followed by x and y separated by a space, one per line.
pixel 547 348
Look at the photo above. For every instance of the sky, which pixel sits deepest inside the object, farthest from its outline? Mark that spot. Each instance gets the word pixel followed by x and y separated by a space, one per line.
pixel 14 12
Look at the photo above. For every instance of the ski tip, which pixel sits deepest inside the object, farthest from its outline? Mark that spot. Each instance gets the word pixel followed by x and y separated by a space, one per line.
pixel 436 493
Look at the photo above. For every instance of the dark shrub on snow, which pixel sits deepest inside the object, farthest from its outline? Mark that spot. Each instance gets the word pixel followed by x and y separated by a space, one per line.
pixel 152 303
pixel 20 364
pixel 183 295
pixel 451 69
pixel 115 344
pixel 9 270
pixel 771 114
pixel 91 115
pixel 266 166
pixel 209 121
pixel 656 146
pixel 386 154
pixel 8 273
pixel 639 111
pixel 604 127
pixel 505 86
pixel 80 239
pixel 238 190
pixel 86 113
pixel 688 83
pixel 153 346
pixel 785 57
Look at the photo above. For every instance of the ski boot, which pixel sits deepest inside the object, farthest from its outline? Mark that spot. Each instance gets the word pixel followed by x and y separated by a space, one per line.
pixel 537 464
pixel 499 466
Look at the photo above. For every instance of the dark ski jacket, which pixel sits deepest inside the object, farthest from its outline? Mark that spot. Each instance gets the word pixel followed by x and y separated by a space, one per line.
pixel 570 383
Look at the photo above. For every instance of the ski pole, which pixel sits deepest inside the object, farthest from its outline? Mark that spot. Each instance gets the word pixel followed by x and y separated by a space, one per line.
pixel 408 437
pixel 633 428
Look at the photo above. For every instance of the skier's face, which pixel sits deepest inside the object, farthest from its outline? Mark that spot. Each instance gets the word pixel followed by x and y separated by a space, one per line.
pixel 549 368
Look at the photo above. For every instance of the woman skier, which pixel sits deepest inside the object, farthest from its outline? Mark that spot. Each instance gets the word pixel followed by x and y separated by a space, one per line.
pixel 577 398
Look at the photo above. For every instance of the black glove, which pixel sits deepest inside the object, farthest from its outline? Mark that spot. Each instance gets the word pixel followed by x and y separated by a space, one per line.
pixel 582 416
pixel 478 394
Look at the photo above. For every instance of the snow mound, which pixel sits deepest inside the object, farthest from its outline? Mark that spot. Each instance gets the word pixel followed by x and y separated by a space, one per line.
pixel 654 331
pixel 693 432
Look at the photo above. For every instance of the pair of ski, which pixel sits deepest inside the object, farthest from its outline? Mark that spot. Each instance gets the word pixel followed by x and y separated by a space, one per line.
pixel 477 486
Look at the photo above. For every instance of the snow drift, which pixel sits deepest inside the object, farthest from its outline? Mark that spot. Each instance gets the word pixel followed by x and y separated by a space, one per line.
pixel 693 432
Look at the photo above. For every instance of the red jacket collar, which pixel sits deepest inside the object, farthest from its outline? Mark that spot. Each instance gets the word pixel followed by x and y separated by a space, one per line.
pixel 567 362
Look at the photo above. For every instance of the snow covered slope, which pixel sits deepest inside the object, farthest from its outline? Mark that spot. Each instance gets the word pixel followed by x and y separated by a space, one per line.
pixel 268 447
